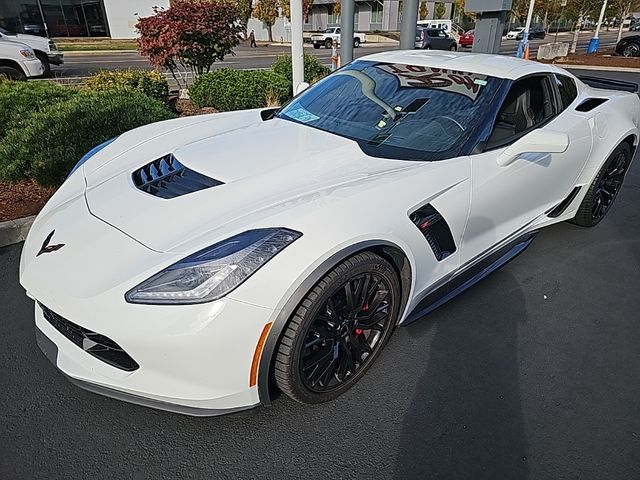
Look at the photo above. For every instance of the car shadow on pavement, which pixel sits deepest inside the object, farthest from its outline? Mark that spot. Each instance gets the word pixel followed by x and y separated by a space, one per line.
pixel 465 420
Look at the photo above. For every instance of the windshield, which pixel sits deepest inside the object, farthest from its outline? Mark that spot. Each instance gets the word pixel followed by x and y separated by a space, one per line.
pixel 398 111
pixel 329 30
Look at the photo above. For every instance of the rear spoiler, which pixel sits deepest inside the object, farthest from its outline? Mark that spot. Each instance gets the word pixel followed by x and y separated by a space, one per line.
pixel 608 84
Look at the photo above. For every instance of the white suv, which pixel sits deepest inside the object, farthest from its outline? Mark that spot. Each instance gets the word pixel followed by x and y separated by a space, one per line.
pixel 18 61
pixel 46 50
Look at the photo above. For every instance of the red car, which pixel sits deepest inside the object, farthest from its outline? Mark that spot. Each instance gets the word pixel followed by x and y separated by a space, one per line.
pixel 466 40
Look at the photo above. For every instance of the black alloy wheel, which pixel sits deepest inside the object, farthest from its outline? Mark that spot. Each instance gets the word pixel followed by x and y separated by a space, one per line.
pixel 604 188
pixel 631 50
pixel 338 330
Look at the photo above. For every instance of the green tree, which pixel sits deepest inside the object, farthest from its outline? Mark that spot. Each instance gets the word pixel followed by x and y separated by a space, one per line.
pixel 424 11
pixel 267 12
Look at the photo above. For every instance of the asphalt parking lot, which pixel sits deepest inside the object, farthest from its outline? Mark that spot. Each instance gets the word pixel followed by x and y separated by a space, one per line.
pixel 532 373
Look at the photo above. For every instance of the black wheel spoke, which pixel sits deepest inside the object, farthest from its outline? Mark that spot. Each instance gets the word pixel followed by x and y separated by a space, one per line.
pixel 346 331
pixel 608 186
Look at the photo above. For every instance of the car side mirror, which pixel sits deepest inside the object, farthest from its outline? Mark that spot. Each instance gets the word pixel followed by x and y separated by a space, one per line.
pixel 537 141
pixel 301 87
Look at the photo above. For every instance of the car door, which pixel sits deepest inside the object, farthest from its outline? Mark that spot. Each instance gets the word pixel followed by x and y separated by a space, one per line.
pixel 506 198
pixel 441 40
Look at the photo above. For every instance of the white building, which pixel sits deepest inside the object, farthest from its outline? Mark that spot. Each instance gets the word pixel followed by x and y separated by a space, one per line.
pixel 76 18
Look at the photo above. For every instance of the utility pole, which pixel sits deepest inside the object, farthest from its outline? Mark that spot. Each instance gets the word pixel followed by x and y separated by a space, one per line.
pixel 409 23
pixel 594 43
pixel 347 10
pixel 523 46
pixel 297 51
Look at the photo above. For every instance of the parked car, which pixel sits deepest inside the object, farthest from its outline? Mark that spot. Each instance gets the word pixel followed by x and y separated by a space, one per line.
pixel 629 46
pixel 435 39
pixel 372 198
pixel 534 32
pixel 18 61
pixel 635 27
pixel 513 34
pixel 326 38
pixel 46 50
pixel 466 39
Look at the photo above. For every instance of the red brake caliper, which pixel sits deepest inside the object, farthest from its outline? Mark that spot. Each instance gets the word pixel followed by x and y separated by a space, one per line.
pixel 358 331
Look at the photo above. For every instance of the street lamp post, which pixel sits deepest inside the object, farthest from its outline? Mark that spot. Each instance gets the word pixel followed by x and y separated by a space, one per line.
pixel 594 43
pixel 297 51
pixel 523 46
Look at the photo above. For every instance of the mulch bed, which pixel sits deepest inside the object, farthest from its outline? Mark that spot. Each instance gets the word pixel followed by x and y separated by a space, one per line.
pixel 22 199
pixel 604 59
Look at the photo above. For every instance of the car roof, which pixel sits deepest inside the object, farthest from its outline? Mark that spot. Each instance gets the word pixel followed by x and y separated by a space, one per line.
pixel 500 66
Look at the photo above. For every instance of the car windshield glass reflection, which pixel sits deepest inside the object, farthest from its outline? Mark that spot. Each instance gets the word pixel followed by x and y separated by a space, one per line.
pixel 398 111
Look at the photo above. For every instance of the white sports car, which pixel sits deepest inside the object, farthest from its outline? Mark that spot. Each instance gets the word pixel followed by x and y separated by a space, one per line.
pixel 197 264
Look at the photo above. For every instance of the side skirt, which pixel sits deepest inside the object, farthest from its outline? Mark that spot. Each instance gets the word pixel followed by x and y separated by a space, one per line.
pixel 470 276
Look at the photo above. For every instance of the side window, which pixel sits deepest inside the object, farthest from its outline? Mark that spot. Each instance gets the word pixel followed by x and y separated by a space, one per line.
pixel 441 34
pixel 568 90
pixel 432 33
pixel 528 105
pixel 337 30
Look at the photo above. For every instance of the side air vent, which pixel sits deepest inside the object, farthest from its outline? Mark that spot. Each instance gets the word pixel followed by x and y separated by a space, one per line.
pixel 589 104
pixel 435 229
pixel 168 178
pixel 562 206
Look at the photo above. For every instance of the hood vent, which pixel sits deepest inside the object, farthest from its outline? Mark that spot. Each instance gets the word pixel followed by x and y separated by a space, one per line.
pixel 168 178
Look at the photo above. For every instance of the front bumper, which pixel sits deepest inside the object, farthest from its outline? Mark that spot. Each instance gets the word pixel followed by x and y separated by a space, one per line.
pixel 50 351
pixel 56 58
pixel 200 371
pixel 33 67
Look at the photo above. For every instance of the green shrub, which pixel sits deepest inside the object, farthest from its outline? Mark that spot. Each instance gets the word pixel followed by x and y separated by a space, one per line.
pixel 227 89
pixel 151 83
pixel 18 100
pixel 50 142
pixel 313 69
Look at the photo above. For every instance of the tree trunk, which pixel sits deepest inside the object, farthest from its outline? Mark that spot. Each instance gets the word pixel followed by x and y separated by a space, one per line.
pixel 544 22
pixel 270 30
pixel 576 34
pixel 624 14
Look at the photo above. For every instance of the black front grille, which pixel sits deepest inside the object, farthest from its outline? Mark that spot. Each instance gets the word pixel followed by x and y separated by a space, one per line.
pixel 93 343
pixel 168 178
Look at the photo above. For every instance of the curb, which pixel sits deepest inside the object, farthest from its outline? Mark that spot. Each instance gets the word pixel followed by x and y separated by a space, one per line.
pixel 78 53
pixel 597 68
pixel 15 231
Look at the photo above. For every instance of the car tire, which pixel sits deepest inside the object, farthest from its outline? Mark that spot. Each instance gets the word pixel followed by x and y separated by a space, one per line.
pixel 328 345
pixel 316 46
pixel 45 63
pixel 356 42
pixel 631 50
pixel 328 43
pixel 12 73
pixel 605 188
pixel 453 48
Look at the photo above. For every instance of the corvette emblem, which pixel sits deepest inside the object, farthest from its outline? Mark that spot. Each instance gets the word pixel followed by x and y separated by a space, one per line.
pixel 46 248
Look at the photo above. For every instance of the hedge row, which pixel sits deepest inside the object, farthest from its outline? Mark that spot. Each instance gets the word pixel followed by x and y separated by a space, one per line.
pixel 46 128
pixel 227 89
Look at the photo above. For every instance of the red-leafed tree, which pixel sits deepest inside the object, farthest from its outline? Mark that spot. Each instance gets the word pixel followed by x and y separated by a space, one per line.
pixel 190 35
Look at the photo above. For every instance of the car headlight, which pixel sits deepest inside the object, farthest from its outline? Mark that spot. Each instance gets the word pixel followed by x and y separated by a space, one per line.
pixel 90 154
pixel 27 54
pixel 214 272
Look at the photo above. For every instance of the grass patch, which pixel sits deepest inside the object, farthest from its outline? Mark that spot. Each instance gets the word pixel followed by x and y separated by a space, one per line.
pixel 87 45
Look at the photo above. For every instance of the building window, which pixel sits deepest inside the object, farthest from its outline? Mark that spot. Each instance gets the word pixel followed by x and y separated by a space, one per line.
pixel 56 18
pixel 376 12
pixel 333 17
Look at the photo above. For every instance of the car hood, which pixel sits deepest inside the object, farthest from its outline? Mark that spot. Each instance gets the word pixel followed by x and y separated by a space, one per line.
pixel 31 40
pixel 263 168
